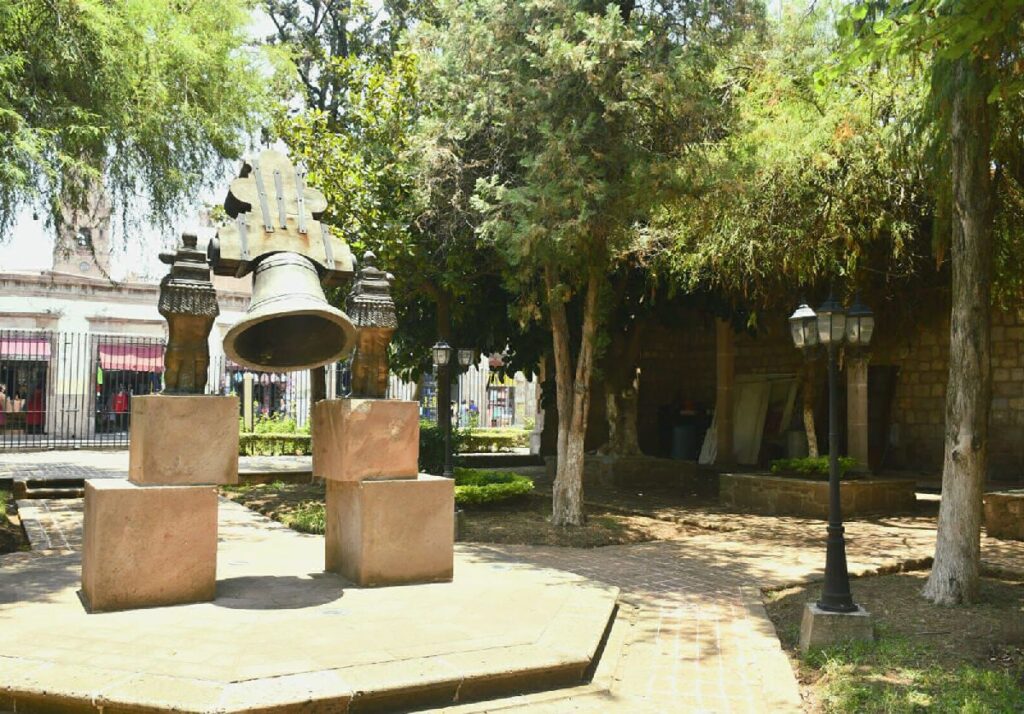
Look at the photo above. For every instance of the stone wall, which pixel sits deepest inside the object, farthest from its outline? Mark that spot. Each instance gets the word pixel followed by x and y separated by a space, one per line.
pixel 681 361
pixel 1004 514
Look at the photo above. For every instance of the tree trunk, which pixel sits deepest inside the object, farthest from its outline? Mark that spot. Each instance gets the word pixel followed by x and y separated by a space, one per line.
pixel 954 576
pixel 807 408
pixel 573 396
pixel 621 392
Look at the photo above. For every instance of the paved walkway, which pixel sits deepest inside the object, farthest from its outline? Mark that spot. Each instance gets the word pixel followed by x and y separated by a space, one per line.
pixel 692 634
pixel 83 464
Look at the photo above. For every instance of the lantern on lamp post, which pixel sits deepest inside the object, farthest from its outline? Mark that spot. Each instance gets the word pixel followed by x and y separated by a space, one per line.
pixel 832 326
pixel 442 354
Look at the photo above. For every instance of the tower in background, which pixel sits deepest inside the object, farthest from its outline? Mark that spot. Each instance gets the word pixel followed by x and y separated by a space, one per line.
pixel 83 242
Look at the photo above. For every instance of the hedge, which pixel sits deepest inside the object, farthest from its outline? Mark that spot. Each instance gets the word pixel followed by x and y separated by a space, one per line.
pixel 251 444
pixel 809 467
pixel 482 440
pixel 476 487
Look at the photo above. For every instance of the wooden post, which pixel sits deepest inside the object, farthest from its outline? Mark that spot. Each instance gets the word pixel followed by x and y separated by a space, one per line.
pixel 725 381
pixel 857 409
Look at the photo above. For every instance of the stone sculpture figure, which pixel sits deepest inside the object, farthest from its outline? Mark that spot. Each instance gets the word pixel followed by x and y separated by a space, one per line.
pixel 372 310
pixel 188 302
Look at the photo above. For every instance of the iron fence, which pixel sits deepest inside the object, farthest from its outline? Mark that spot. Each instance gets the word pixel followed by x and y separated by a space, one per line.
pixel 64 390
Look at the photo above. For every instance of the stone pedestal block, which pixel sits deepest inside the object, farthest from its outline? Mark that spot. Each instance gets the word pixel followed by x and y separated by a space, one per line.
pixel 357 439
pixel 145 546
pixel 391 532
pixel 183 439
pixel 820 628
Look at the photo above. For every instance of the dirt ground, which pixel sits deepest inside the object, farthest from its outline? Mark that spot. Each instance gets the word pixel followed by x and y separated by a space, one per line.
pixel 525 522
pixel 988 635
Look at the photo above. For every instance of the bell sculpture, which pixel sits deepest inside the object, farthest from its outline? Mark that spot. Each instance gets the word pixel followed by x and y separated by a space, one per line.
pixel 276 235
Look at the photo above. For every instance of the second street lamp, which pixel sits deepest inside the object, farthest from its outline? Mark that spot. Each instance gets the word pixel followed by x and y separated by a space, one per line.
pixel 442 354
pixel 831 326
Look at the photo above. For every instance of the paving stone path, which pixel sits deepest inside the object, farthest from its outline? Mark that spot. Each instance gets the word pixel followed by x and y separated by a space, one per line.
pixel 111 463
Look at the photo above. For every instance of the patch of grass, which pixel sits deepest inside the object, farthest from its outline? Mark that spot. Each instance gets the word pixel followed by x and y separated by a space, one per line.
pixel 897 676
pixel 926 658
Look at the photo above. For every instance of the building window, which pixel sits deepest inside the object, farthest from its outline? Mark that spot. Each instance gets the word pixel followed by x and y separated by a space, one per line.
pixel 83 238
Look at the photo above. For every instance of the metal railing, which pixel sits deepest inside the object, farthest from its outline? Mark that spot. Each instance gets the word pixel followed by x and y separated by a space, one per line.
pixel 67 390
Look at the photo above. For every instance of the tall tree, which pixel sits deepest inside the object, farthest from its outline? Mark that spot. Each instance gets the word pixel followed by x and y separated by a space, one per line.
pixel 972 51
pixel 577 117
pixel 813 183
pixel 144 97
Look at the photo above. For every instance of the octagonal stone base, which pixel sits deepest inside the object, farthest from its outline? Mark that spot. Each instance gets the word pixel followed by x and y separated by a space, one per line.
pixel 282 636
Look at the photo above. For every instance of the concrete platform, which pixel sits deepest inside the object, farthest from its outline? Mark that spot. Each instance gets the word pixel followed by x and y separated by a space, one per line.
pixel 282 635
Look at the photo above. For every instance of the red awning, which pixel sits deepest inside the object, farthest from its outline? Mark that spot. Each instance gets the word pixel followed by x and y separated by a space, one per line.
pixel 25 348
pixel 136 358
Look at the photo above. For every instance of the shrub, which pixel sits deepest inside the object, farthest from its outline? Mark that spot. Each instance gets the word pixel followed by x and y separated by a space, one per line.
pixel 255 444
pixel 809 467
pixel 476 487
pixel 432 446
pixel 477 440
pixel 274 424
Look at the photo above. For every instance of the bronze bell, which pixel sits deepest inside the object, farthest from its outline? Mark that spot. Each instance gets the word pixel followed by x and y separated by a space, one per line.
pixel 289 324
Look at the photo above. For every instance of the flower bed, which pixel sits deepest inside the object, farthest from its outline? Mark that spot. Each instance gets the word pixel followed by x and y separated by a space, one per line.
pixel 808 498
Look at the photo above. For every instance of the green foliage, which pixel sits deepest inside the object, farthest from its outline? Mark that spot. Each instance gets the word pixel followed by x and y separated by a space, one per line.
pixel 277 424
pixel 811 467
pixel 479 440
pixel 813 181
pixel 924 40
pixel 475 487
pixel 308 518
pixel 432 446
pixel 894 676
pixel 271 444
pixel 145 97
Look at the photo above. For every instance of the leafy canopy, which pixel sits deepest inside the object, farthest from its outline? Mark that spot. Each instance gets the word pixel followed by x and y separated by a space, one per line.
pixel 145 96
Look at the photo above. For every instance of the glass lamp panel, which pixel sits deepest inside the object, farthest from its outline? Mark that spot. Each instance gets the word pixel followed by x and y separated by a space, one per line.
pixel 825 327
pixel 838 327
pixel 465 356
pixel 867 328
pixel 810 332
pixel 853 329
pixel 796 328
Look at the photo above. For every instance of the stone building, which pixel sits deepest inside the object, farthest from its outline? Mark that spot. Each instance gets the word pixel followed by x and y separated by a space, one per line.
pixel 892 399
pixel 71 337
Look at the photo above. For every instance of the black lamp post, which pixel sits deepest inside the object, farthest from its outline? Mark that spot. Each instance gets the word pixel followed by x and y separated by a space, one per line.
pixel 442 355
pixel 831 327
